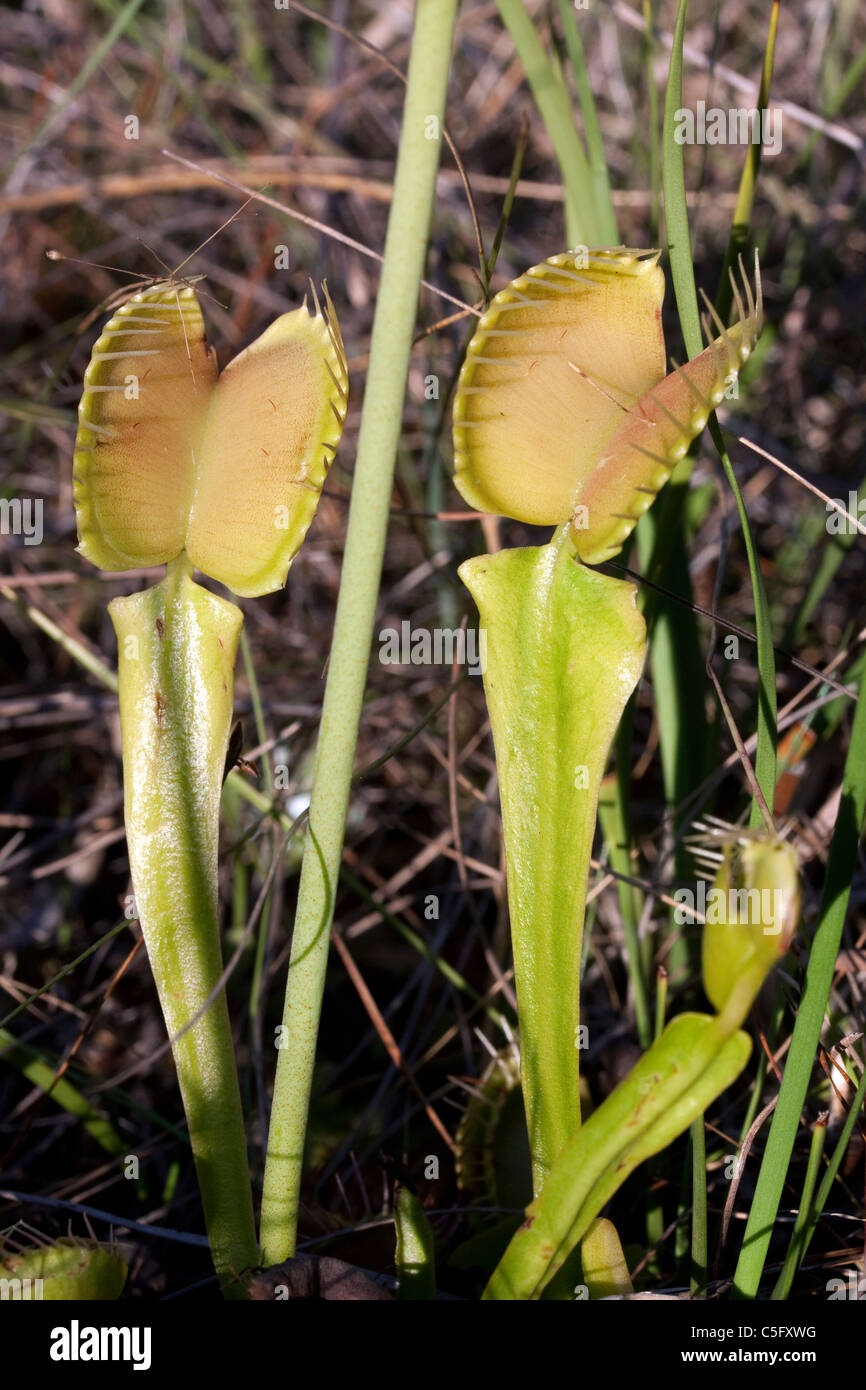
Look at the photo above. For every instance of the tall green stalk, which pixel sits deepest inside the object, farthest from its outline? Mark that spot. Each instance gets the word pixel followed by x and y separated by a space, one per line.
pixel 405 248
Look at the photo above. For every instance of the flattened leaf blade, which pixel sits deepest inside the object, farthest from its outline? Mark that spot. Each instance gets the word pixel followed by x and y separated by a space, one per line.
pixel 693 1061
pixel 564 649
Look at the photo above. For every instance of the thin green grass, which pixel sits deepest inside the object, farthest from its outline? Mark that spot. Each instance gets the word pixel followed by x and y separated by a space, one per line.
pixel 824 949
pixel 582 223
pixel 604 209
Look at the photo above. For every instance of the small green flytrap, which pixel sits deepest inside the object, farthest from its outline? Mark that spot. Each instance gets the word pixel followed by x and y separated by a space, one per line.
pixel 180 465
pixel 62 1271
pixel 564 415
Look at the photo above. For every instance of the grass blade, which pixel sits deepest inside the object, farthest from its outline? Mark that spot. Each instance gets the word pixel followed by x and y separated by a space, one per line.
pixel 604 209
pixel 674 184
pixel 810 1016
pixel 802 1228
pixel 79 82
pixel 749 178
pixel 581 222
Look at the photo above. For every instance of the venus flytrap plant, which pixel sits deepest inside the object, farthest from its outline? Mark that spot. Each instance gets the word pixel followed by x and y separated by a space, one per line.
pixel 69 1269
pixel 176 464
pixel 564 416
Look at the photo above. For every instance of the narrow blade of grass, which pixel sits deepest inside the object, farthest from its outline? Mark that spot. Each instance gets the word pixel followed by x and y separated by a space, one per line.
pixel 79 82
pixel 748 179
pixel 604 209
pixel 581 222
pixel 32 1064
pixel 653 115
pixel 820 1202
pixel 765 755
pixel 810 1016
pixel 801 1225
pixel 676 212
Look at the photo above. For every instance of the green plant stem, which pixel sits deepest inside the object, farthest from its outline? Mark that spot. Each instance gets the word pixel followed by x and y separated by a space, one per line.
pixel 801 1231
pixel 674 640
pixel 176 647
pixel 699 1208
pixel 655 1215
pixel 405 248
pixel 612 815
pixel 661 1001
pixel 833 1167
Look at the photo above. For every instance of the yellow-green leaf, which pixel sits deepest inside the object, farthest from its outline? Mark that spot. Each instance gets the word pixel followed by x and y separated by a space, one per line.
pixel 563 410
pixel 605 1272
pixel 66 1270
pixel 169 457
pixel 272 428
pixel 146 391
pixel 176 656
pixel 689 1065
